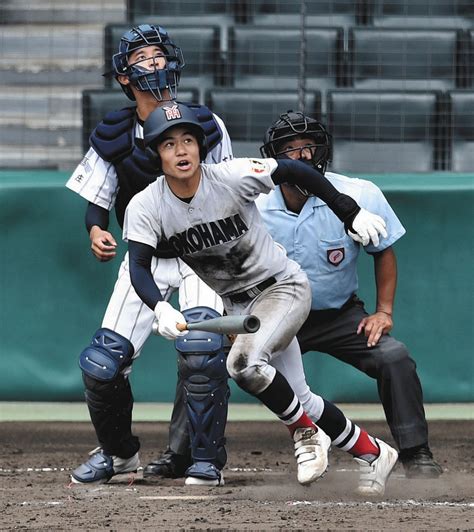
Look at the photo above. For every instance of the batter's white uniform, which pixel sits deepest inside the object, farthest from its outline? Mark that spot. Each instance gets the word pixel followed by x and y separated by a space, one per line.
pixel 96 181
pixel 221 236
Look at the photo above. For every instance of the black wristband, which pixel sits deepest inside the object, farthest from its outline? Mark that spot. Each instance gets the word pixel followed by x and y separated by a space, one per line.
pixel 349 208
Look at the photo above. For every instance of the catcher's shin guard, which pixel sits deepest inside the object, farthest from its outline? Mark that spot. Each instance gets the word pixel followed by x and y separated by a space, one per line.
pixel 202 366
pixel 110 407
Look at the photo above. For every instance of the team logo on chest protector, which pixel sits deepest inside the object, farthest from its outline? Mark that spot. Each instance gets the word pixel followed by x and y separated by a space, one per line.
pixel 335 256
pixel 208 235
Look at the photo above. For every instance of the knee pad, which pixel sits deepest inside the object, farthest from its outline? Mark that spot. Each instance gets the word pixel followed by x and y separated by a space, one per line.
pixel 107 355
pixel 202 366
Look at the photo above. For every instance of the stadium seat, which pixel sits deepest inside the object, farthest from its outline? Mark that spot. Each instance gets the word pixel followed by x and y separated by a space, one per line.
pixel 190 12
pixel 455 14
pixel 248 114
pixel 394 59
pixel 461 131
pixel 263 58
pixel 96 103
pixel 385 131
pixel 201 51
pixel 282 13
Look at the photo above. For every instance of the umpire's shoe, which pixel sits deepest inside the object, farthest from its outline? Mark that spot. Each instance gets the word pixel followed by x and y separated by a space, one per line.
pixel 311 450
pixel 101 467
pixel 374 475
pixel 170 465
pixel 418 462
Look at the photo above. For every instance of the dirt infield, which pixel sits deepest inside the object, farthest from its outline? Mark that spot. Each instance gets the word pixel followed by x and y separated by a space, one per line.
pixel 261 491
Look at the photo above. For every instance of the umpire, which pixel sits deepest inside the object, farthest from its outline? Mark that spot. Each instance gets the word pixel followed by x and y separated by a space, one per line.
pixel 338 323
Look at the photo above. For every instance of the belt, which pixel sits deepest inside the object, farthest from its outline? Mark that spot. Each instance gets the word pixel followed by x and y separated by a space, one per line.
pixel 251 293
pixel 331 313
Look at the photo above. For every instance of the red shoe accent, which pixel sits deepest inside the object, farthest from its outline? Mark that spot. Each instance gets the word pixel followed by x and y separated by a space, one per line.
pixel 303 422
pixel 365 444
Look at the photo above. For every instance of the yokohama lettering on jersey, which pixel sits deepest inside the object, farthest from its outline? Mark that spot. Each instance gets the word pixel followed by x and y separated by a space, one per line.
pixel 209 234
pixel 220 233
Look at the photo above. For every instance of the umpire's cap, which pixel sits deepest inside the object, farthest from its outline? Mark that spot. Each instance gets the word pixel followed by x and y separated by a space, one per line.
pixel 168 116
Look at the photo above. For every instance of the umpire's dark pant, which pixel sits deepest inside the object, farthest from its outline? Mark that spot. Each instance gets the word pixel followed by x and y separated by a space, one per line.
pixel 335 332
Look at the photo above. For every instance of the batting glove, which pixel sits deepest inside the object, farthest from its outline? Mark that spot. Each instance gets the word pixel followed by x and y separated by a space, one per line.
pixel 367 227
pixel 167 318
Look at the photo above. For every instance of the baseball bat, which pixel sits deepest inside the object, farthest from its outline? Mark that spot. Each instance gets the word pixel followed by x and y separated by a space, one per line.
pixel 243 324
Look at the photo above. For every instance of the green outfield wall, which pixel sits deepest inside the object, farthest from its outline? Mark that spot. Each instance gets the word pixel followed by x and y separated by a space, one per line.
pixel 53 294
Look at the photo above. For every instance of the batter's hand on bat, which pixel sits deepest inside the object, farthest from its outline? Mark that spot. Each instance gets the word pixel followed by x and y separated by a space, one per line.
pixel 374 326
pixel 103 244
pixel 168 318
pixel 367 228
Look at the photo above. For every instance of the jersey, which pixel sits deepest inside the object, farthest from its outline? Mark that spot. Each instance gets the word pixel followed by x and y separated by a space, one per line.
pixel 219 233
pixel 316 240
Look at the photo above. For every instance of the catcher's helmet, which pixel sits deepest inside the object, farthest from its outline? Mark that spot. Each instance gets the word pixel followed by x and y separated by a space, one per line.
pixel 166 117
pixel 292 125
pixel 144 79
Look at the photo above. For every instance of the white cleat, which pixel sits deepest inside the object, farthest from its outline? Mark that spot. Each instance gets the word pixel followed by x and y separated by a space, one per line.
pixel 311 451
pixel 373 477
pixel 195 481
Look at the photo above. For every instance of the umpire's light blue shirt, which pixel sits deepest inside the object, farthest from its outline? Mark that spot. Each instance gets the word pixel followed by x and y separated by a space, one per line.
pixel 316 239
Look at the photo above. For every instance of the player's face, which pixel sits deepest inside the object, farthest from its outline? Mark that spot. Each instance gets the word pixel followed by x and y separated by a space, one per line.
pixel 299 148
pixel 149 58
pixel 179 153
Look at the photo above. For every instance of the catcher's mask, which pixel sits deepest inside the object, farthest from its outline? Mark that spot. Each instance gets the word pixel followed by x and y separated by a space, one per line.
pixel 145 79
pixel 166 117
pixel 294 125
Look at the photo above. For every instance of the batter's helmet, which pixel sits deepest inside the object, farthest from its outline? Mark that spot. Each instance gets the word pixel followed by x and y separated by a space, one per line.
pixel 292 125
pixel 144 79
pixel 168 116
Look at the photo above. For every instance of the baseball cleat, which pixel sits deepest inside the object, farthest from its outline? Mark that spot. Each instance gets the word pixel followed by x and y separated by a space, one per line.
pixel 169 465
pixel 311 451
pixel 204 474
pixel 101 467
pixel 373 476
pixel 420 464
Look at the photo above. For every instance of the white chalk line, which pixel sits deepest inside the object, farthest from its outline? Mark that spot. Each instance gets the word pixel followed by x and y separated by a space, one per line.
pixel 179 497
pixel 383 504
pixel 318 504
pixel 233 469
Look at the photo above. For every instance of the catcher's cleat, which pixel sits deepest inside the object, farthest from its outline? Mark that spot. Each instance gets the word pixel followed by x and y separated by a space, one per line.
pixel 311 451
pixel 204 474
pixel 101 467
pixel 169 465
pixel 419 463
pixel 374 475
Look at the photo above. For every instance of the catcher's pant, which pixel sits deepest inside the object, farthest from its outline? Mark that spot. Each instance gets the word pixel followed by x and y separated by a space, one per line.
pixel 128 316
pixel 334 332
